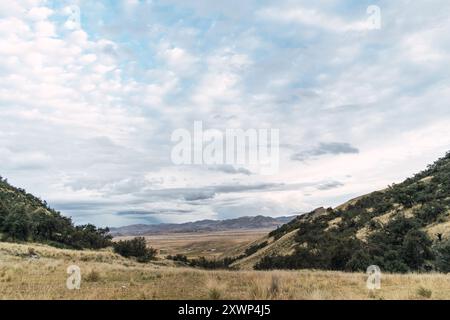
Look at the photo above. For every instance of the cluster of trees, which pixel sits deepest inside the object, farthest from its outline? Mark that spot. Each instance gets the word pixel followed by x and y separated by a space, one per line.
pixel 252 249
pixel 179 258
pixel 136 248
pixel 399 245
pixel 24 217
pixel 205 263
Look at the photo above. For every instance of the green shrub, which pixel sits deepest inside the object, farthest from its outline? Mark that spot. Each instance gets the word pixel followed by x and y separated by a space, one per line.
pixel 430 212
pixel 214 294
pixel 443 256
pixel 179 258
pixel 16 225
pixel 253 249
pixel 93 276
pixel 425 293
pixel 136 248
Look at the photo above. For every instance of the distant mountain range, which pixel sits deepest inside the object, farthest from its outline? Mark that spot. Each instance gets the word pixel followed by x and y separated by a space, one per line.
pixel 257 222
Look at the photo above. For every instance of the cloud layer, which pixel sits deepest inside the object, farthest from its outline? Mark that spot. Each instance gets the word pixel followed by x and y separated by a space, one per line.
pixel 87 112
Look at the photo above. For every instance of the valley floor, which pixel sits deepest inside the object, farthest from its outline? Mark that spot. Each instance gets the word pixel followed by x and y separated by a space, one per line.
pixel 207 244
pixel 106 275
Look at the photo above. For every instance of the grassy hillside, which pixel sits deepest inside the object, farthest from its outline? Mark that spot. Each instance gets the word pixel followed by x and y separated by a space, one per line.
pixel 23 217
pixel 403 228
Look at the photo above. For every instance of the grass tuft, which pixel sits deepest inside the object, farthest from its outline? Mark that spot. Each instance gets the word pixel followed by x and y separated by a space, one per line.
pixel 424 293
pixel 92 276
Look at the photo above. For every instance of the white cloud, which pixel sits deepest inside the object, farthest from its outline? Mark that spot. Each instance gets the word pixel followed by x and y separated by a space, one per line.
pixel 220 82
pixel 39 13
pixel 177 59
pixel 90 111
pixel 312 18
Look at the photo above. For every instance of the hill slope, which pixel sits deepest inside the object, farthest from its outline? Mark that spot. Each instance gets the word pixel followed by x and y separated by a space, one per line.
pixel 258 222
pixel 405 227
pixel 24 217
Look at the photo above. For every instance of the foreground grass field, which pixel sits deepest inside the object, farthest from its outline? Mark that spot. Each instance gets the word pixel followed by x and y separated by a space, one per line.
pixel 106 275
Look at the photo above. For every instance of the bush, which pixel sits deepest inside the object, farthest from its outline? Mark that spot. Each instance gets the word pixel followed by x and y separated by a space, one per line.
pixel 214 294
pixel 253 249
pixel 93 276
pixel 179 258
pixel 204 263
pixel 425 293
pixel 416 248
pixel 16 225
pixel 136 248
pixel 88 236
pixel 430 212
pixel 443 257
pixel 359 261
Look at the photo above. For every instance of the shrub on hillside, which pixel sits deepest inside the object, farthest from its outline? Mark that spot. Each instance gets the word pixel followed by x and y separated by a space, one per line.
pixel 430 212
pixel 204 263
pixel 16 225
pixel 136 248
pixel 253 249
pixel 179 258
pixel 443 256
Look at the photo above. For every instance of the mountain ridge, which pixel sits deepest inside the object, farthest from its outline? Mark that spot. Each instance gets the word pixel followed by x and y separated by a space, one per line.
pixel 245 222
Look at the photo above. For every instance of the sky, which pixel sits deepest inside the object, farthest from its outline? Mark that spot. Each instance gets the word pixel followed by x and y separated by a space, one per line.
pixel 88 106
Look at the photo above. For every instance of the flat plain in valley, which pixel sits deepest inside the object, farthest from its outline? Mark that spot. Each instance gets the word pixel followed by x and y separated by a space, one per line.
pixel 213 244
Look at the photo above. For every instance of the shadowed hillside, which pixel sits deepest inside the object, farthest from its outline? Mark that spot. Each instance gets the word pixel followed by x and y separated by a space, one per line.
pixel 405 227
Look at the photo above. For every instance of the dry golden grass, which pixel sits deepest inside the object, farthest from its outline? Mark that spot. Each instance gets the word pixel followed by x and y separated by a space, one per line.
pixel 443 228
pixel 108 276
pixel 282 246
